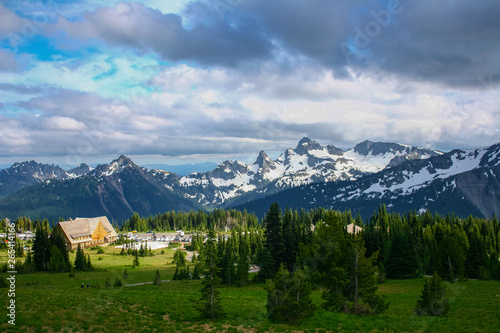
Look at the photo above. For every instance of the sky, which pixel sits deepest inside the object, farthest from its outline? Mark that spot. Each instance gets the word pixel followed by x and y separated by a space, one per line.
pixel 170 81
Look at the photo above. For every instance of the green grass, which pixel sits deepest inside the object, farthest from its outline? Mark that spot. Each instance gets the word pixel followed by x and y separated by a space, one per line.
pixel 56 303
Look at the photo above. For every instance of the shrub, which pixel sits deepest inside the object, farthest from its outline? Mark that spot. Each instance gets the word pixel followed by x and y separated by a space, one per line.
pixel 433 301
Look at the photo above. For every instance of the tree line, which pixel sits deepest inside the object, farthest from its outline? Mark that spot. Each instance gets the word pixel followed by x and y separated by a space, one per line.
pixel 298 252
pixel 219 219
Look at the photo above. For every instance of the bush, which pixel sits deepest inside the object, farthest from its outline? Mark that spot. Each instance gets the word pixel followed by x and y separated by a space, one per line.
pixel 289 297
pixel 117 283
pixel 433 301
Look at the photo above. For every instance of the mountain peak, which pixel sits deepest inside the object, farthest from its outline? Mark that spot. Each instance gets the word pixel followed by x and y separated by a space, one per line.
pixel 306 145
pixel 377 148
pixel 304 141
pixel 80 170
pixel 123 160
pixel 265 162
pixel 115 166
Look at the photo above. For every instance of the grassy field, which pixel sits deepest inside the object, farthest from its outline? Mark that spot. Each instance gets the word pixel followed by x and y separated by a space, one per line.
pixel 56 303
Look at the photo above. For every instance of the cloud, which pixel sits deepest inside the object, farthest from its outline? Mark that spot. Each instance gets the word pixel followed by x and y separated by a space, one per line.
pixel 63 123
pixel 133 79
pixel 10 21
pixel 452 43
pixel 146 29
pixel 8 62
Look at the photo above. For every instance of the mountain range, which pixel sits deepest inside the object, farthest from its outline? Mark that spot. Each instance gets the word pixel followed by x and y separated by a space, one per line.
pixel 306 176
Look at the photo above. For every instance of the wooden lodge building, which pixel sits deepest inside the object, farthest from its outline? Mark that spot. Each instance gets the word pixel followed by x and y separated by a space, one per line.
pixel 86 232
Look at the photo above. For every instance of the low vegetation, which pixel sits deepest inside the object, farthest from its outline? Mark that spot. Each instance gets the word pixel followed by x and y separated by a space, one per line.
pixel 55 302
pixel 311 279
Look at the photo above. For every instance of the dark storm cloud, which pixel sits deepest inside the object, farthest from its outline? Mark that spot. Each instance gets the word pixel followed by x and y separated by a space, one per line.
pixel 452 42
pixel 146 29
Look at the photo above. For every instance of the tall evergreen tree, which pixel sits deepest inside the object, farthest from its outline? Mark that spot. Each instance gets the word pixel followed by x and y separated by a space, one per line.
pixel 476 256
pixel 210 305
pixel 41 248
pixel 80 260
pixel 57 239
pixel 228 259
pixel 243 263
pixel 289 240
pixel 401 262
pixel 451 259
pixel 275 242
pixel 266 262
pixel 56 262
pixel 348 276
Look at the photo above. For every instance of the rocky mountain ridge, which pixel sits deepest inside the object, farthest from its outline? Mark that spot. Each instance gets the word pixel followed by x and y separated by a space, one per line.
pixel 309 174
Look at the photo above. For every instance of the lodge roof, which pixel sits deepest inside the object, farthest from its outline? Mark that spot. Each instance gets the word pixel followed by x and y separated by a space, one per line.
pixel 84 227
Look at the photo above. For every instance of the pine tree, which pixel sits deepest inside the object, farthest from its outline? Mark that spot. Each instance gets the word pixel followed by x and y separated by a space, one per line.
pixel 125 274
pixel 80 262
pixel 157 281
pixel 210 305
pixel 363 280
pixel 401 262
pixel 58 240
pixel 136 259
pixel 196 271
pixel 290 243
pixel 289 297
pixel 266 263
pixel 227 272
pixel 181 271
pixel 476 256
pixel 56 262
pixel 348 276
pixel 275 242
pixel 41 248
pixel 243 263
pixel 451 259
pixel 433 301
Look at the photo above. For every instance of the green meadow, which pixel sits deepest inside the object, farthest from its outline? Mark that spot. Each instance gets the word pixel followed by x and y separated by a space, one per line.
pixel 47 302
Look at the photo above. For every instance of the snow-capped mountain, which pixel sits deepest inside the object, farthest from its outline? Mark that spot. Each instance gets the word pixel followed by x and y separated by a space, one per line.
pixel 307 163
pixel 307 176
pixel 116 190
pixel 80 170
pixel 24 174
pixel 461 181
pixel 116 166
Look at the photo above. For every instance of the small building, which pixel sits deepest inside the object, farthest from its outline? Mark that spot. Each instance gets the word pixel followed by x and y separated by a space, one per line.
pixel 353 229
pixel 86 232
